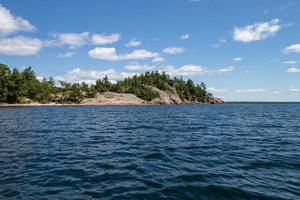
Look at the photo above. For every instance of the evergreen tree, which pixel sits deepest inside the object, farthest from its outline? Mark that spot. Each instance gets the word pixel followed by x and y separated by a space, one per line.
pixel 4 82
pixel 16 86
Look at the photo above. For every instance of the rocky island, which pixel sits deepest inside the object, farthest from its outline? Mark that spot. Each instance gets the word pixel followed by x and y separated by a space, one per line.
pixel 150 88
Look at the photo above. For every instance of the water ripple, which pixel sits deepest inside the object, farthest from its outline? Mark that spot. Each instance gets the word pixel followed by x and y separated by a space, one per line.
pixel 235 151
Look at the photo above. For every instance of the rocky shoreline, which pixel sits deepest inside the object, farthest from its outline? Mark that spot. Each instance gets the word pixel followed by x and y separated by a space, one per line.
pixel 112 98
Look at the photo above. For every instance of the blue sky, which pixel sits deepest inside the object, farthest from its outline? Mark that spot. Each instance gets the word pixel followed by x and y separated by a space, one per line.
pixel 242 50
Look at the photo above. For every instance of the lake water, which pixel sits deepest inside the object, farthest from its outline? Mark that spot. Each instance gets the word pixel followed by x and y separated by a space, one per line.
pixel 232 151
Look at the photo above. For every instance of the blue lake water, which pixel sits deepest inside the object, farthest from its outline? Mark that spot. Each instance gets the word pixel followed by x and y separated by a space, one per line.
pixel 231 151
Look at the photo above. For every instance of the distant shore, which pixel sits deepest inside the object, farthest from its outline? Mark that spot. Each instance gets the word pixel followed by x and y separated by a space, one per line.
pixel 91 104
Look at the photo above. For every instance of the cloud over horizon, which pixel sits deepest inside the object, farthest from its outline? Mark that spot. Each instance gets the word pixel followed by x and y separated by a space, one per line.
pixel 103 53
pixel 20 46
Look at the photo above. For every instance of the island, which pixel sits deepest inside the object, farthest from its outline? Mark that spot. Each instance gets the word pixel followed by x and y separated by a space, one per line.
pixel 23 88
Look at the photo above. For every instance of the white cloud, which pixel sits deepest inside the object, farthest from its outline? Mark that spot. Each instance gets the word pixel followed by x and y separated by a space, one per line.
pixel 73 40
pixel 191 70
pixel 158 59
pixel 224 70
pixel 290 62
pixel 252 90
pixel 138 67
pixel 20 46
pixel 40 78
pixel 293 70
pixel 294 48
pixel 102 39
pixel 257 31
pixel 185 70
pixel 67 55
pixel 133 43
pixel 10 24
pixel 185 36
pixel 174 50
pixel 237 59
pixel 216 90
pixel 78 75
pixel 103 53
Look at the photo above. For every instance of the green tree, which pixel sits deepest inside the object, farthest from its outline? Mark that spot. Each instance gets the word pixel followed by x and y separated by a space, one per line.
pixel 4 82
pixel 75 95
pixel 15 85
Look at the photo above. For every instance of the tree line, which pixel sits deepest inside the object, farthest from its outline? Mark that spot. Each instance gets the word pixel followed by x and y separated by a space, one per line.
pixel 24 87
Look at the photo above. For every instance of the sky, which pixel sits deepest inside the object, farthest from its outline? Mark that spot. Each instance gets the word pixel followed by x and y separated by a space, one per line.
pixel 243 50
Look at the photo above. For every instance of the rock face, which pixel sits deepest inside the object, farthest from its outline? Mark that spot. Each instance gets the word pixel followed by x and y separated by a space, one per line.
pixel 112 98
pixel 171 97
pixel 216 101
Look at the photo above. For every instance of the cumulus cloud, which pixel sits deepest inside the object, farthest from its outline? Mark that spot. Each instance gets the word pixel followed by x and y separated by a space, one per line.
pixel 110 54
pixel 102 39
pixel 139 67
pixel 237 59
pixel 257 31
pixel 20 46
pixel 133 43
pixel 191 70
pixel 293 70
pixel 10 24
pixel 67 55
pixel 185 70
pixel 78 75
pixel 174 50
pixel 73 40
pixel 185 36
pixel 294 48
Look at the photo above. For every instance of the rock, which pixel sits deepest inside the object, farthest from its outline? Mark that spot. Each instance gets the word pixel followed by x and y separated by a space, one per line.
pixel 216 101
pixel 169 97
pixel 112 98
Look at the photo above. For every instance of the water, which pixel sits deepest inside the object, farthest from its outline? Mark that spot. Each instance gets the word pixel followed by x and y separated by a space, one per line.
pixel 233 151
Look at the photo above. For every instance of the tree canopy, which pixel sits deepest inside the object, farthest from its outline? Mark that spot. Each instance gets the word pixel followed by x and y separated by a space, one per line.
pixel 24 87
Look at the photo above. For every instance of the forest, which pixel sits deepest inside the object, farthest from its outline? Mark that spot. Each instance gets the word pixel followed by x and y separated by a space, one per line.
pixel 24 87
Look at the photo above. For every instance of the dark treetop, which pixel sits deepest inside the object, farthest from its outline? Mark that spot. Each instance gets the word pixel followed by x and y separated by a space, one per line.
pixel 24 87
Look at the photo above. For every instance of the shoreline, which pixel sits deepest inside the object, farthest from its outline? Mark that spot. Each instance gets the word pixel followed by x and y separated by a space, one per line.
pixel 96 104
